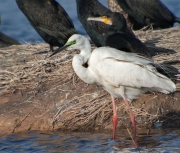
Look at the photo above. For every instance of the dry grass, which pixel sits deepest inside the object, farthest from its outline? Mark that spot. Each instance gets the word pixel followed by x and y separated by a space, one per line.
pixel 23 70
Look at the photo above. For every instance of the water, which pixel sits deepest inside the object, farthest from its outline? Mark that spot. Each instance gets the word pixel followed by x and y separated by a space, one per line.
pixel 158 141
pixel 15 24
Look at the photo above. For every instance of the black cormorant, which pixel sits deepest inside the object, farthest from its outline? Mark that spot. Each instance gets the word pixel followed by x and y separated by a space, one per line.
pixel 107 28
pixel 147 13
pixel 114 7
pixel 7 41
pixel 49 19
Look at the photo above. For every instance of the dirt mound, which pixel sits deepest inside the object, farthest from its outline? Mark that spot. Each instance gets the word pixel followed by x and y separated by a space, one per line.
pixel 45 94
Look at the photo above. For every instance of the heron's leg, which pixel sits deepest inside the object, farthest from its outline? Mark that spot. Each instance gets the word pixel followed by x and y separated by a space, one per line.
pixel 115 118
pixel 131 114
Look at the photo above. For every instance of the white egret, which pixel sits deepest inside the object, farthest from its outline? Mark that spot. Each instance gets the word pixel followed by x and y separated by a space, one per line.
pixel 121 74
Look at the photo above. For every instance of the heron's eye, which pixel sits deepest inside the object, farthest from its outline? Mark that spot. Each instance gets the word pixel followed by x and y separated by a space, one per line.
pixel 71 43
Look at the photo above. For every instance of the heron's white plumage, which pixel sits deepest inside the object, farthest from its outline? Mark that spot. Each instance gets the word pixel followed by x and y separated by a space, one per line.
pixel 120 73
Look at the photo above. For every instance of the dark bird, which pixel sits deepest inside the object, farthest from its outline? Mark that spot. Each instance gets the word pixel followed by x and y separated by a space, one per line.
pixel 7 41
pixel 107 28
pixel 114 7
pixel 49 19
pixel 143 13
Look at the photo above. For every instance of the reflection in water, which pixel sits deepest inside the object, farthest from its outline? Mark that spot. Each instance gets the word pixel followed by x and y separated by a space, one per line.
pixel 158 140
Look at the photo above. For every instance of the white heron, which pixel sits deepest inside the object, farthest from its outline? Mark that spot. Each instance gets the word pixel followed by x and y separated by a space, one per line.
pixel 121 74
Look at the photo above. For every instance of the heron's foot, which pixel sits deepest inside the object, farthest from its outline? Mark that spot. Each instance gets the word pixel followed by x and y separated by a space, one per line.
pixel 115 118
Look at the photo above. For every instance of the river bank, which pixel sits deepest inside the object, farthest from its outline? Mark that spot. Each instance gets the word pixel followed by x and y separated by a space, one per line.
pixel 45 94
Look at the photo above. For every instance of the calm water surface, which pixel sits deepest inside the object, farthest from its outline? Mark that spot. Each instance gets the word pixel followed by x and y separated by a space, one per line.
pixel 157 141
pixel 17 26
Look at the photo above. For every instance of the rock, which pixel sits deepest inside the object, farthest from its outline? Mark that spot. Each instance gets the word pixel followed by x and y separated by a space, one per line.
pixel 45 94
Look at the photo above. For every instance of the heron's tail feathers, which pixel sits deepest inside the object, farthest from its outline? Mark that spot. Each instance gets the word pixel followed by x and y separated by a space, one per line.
pixel 168 86
pixel 165 84
pixel 165 73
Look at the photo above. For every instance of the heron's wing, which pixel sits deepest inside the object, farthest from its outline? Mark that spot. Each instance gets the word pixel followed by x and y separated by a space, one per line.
pixel 153 9
pixel 125 69
pixel 108 52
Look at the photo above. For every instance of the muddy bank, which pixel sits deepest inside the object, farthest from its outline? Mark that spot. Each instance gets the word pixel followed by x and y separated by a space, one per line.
pixel 45 94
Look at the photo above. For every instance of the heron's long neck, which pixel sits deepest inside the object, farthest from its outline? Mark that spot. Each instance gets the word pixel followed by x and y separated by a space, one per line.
pixel 85 51
pixel 78 61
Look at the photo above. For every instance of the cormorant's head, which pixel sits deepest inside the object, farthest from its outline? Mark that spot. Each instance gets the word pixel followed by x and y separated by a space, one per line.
pixel 118 20
pixel 103 19
pixel 115 20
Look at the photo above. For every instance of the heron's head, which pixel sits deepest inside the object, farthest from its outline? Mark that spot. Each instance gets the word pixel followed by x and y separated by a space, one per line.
pixel 76 41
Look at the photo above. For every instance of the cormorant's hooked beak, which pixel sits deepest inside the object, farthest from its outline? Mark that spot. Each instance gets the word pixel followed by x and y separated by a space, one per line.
pixel 103 19
pixel 59 49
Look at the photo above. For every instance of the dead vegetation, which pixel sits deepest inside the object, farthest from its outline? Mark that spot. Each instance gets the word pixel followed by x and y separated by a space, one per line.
pixel 46 94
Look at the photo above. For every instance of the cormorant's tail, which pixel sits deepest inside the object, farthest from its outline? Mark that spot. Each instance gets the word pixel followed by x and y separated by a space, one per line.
pixel 177 20
pixel 168 70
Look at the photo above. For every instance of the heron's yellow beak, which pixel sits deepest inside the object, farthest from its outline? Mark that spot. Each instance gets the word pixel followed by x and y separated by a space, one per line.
pixel 103 19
